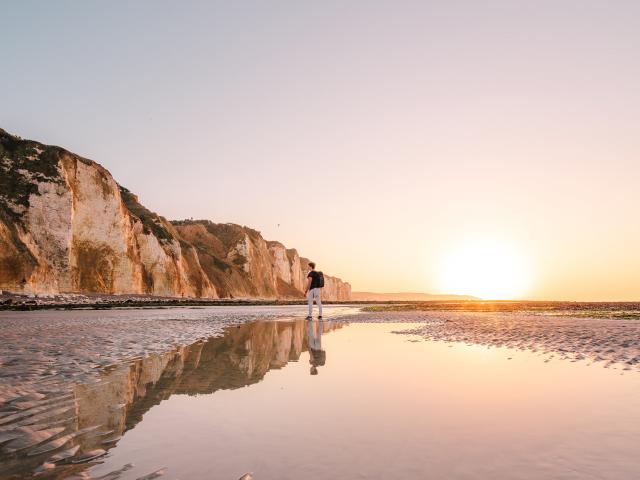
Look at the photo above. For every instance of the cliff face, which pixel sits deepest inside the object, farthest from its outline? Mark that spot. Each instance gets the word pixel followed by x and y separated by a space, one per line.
pixel 333 286
pixel 67 226
pixel 240 263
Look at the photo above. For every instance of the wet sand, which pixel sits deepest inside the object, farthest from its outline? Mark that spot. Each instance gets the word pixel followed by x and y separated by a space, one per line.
pixel 609 341
pixel 74 383
pixel 380 406
pixel 47 356
pixel 42 349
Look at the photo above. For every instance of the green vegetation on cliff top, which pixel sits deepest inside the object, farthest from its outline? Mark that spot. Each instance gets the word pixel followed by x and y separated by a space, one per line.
pixel 151 221
pixel 24 164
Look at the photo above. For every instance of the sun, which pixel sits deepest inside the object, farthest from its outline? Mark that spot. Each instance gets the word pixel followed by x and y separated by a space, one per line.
pixel 487 268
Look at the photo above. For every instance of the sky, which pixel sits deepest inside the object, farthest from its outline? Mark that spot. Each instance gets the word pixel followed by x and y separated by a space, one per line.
pixel 385 140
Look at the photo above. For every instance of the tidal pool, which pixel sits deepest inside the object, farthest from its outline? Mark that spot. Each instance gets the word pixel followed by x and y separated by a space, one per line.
pixel 330 400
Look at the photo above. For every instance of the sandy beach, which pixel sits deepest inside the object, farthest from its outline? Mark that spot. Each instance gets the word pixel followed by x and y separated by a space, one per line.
pixel 48 357
pixel 74 382
pixel 58 347
pixel 610 341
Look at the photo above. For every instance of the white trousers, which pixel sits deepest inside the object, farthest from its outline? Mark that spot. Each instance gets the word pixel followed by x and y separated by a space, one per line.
pixel 314 294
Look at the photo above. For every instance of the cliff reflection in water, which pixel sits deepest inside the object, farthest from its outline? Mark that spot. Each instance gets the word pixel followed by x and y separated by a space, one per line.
pixel 117 402
pixel 241 357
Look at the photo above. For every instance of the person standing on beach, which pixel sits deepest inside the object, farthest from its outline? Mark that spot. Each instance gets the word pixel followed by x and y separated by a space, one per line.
pixel 315 282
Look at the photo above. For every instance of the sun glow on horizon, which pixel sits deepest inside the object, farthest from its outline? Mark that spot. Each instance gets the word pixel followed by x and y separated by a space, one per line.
pixel 487 268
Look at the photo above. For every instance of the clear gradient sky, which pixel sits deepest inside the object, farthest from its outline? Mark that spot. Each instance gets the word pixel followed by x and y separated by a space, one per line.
pixel 378 135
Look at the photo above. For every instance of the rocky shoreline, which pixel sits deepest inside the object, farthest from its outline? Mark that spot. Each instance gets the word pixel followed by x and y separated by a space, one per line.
pixel 77 301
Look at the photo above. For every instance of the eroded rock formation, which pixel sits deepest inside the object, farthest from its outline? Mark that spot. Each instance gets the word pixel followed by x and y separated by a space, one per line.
pixel 240 263
pixel 67 226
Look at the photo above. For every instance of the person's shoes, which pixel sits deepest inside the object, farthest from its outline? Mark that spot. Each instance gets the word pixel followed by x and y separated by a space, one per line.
pixel 319 317
pixel 309 317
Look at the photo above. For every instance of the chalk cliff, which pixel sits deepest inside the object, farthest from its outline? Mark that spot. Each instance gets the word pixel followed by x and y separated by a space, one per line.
pixel 240 263
pixel 67 226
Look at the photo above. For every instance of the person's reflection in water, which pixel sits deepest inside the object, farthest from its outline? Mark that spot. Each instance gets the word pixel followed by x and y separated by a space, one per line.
pixel 317 356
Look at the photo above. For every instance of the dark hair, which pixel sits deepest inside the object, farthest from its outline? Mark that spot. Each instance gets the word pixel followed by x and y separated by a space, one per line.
pixel 312 265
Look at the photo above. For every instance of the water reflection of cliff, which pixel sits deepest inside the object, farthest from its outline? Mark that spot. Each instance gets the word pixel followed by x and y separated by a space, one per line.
pixel 117 402
pixel 240 358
